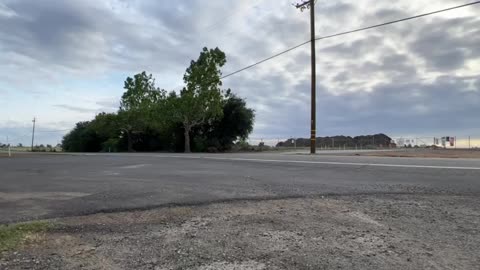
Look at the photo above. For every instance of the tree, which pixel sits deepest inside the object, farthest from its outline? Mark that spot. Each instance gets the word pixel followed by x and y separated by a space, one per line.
pixel 236 123
pixel 139 105
pixel 107 127
pixel 141 93
pixel 149 120
pixel 82 139
pixel 200 100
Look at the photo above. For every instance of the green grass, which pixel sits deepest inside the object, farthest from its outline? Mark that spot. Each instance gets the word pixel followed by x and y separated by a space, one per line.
pixel 11 236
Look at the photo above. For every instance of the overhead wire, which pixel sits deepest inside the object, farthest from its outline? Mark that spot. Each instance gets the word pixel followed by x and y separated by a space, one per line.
pixel 397 21
pixel 348 32
pixel 52 131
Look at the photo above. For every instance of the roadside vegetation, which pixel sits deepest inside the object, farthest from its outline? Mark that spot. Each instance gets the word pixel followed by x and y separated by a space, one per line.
pixel 11 236
pixel 364 142
pixel 200 117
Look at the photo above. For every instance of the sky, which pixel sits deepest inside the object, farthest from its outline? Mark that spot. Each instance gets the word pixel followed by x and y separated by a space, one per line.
pixel 65 61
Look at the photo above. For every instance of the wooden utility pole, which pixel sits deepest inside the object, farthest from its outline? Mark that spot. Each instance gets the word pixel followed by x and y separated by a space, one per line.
pixel 8 143
pixel 310 4
pixel 33 132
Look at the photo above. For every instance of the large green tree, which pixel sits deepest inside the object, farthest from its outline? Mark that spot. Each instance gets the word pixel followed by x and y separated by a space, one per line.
pixel 82 138
pixel 107 127
pixel 235 124
pixel 139 106
pixel 140 93
pixel 149 120
pixel 201 99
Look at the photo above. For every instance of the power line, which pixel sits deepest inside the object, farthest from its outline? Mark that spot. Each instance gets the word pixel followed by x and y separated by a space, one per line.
pixel 397 21
pixel 52 131
pixel 265 60
pixel 348 32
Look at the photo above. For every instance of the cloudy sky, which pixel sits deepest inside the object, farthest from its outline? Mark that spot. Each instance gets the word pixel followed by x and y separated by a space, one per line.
pixel 65 61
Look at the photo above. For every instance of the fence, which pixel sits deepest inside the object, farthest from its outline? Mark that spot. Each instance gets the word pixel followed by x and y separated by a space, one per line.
pixel 460 142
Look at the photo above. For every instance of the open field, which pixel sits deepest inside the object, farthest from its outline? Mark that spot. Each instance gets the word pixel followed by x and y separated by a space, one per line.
pixel 242 211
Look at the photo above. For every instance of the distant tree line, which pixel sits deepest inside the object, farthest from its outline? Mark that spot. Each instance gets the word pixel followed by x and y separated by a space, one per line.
pixel 377 140
pixel 201 117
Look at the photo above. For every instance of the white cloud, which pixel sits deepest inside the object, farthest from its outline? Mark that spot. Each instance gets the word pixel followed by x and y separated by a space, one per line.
pixel 76 53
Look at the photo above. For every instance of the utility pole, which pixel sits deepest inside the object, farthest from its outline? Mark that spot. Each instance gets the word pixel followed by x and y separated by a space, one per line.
pixel 8 143
pixel 33 132
pixel 310 4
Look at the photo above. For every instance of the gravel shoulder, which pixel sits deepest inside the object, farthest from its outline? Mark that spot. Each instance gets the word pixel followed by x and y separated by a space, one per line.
pixel 342 232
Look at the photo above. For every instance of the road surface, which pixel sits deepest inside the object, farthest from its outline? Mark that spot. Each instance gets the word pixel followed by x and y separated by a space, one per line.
pixel 45 186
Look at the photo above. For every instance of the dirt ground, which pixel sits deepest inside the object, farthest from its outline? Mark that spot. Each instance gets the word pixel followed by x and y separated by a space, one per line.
pixel 425 153
pixel 335 232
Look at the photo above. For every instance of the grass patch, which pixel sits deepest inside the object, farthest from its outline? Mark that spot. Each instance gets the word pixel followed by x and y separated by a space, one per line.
pixel 11 236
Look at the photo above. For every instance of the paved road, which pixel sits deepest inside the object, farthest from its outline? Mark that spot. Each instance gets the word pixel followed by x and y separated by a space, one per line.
pixel 40 186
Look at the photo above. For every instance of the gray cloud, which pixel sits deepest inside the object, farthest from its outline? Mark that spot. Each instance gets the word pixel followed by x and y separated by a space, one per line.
pixel 410 108
pixel 355 48
pixel 108 105
pixel 50 31
pixel 340 77
pixel 82 35
pixel 408 77
pixel 390 14
pixel 337 9
pixel 446 44
pixel 75 108
pixel 395 66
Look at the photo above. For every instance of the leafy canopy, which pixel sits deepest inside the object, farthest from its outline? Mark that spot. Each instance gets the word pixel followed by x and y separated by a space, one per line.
pixel 141 93
pixel 150 120
pixel 201 97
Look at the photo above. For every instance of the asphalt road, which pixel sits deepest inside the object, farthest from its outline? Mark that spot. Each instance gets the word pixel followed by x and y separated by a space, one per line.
pixel 45 186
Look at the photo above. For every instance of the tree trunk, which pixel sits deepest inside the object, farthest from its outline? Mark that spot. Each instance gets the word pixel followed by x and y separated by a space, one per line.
pixel 130 143
pixel 187 139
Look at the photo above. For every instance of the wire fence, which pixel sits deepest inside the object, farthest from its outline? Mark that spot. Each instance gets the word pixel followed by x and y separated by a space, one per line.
pixel 22 142
pixel 447 142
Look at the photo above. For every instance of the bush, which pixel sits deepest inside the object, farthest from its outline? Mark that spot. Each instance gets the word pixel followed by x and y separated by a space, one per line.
pixel 212 149
pixel 111 145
